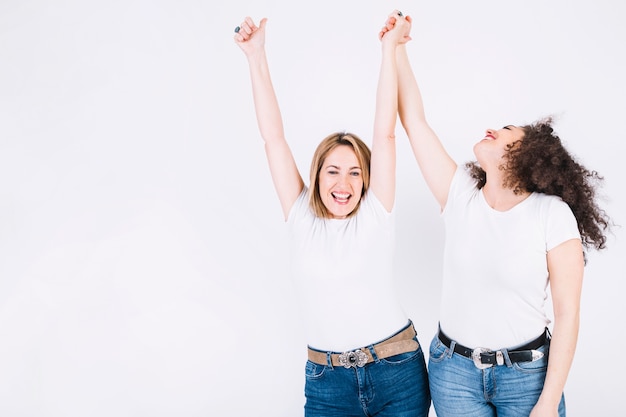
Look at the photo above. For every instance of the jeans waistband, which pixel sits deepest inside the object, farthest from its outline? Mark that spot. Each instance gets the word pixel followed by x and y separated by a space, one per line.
pixel 485 358
pixel 401 342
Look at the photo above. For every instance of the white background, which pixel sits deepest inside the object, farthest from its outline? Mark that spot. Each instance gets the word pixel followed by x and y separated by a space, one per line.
pixel 142 251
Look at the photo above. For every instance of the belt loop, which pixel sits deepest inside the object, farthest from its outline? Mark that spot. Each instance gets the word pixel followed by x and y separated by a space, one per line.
pixel 451 349
pixel 329 360
pixel 373 352
pixel 507 359
pixel 452 342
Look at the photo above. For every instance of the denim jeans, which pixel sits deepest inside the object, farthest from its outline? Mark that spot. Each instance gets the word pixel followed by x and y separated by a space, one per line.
pixel 395 386
pixel 459 388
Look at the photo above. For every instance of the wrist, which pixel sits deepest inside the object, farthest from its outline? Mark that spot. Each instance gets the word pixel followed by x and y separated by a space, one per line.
pixel 549 401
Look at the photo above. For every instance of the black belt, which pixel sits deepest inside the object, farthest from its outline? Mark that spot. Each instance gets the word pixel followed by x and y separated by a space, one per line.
pixel 485 358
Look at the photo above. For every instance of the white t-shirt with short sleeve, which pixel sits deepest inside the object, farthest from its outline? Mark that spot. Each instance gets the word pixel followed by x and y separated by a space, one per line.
pixel 343 275
pixel 495 272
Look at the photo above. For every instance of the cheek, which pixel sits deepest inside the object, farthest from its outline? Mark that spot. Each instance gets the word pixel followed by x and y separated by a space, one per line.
pixel 358 183
pixel 356 188
pixel 323 185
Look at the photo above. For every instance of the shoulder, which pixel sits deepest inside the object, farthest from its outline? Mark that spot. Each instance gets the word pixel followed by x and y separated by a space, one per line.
pixel 557 218
pixel 551 204
pixel 462 187
pixel 462 180
pixel 300 207
pixel 372 205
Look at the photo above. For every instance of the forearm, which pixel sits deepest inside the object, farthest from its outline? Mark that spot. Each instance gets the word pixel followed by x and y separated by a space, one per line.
pixel 386 112
pixel 562 349
pixel 266 106
pixel 410 104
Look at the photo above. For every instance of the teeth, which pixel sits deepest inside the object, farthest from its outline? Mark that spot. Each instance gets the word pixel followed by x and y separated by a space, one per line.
pixel 341 196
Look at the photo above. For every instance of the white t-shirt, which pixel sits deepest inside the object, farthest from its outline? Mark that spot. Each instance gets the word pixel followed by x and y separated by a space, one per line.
pixel 495 272
pixel 343 274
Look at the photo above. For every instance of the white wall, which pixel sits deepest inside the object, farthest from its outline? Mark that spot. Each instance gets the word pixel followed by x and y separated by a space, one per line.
pixel 142 248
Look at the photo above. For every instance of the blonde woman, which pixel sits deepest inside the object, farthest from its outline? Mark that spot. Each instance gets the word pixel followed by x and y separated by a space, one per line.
pixel 364 357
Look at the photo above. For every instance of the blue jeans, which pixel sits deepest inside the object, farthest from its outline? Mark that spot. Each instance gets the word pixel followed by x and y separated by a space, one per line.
pixel 395 386
pixel 459 388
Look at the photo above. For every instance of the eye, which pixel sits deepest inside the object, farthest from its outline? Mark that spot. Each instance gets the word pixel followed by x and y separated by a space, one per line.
pixel 332 172
pixel 355 173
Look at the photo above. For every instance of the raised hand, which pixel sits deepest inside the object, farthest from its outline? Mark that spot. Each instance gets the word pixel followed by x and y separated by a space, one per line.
pixel 250 37
pixel 396 20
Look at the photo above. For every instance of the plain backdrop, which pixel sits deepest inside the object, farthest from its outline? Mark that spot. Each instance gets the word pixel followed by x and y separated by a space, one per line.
pixel 142 247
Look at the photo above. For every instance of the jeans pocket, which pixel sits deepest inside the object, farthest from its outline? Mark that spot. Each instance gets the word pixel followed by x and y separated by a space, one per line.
pixel 403 357
pixel 536 366
pixel 437 351
pixel 314 370
pixel 539 365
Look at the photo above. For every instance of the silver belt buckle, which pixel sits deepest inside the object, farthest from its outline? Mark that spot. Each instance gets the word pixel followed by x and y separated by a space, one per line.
pixel 353 359
pixel 476 358
pixel 536 355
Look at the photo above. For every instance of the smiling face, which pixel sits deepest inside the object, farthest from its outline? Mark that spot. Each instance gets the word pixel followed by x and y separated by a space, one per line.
pixel 341 182
pixel 340 175
pixel 492 148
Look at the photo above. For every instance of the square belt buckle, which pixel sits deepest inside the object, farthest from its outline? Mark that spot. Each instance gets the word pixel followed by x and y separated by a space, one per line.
pixel 477 359
pixel 353 359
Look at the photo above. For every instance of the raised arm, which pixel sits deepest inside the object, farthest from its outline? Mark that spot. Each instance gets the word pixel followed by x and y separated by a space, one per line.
pixel 383 165
pixel 434 161
pixel 285 175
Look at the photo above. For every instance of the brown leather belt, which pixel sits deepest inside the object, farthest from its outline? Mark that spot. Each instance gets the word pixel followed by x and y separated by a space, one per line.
pixel 401 342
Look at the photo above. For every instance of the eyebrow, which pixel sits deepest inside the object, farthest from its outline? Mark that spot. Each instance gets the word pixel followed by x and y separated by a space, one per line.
pixel 336 167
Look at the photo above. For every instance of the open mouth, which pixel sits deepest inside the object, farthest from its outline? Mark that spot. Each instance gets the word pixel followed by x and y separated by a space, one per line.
pixel 341 198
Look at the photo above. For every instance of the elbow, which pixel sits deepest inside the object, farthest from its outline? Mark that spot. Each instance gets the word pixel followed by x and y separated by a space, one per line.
pixel 568 318
pixel 384 135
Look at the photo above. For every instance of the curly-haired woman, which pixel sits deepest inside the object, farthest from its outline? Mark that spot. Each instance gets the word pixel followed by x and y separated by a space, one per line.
pixel 518 222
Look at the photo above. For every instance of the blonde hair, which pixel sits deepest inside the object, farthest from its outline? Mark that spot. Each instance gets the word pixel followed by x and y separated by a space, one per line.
pixel 326 146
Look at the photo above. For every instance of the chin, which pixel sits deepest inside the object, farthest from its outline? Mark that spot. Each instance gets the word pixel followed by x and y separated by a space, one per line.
pixel 343 213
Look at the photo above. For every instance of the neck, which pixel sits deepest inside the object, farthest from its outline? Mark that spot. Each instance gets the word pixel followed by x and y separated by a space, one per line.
pixel 502 199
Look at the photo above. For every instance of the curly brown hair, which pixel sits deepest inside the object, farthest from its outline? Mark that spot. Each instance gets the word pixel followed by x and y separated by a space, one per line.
pixel 540 163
